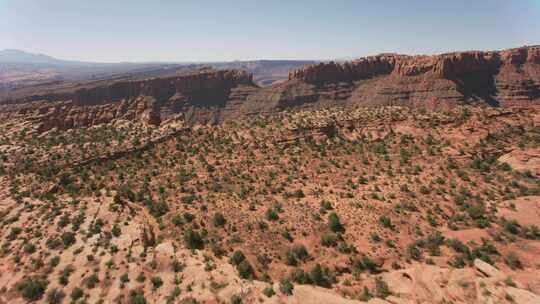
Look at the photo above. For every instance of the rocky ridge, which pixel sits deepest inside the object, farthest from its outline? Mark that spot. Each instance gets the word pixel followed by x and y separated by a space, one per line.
pixel 498 78
pixel 199 96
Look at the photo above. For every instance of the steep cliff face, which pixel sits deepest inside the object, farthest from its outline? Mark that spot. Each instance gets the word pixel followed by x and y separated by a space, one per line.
pixel 195 85
pixel 355 70
pixel 498 78
pixel 200 98
pixel 509 77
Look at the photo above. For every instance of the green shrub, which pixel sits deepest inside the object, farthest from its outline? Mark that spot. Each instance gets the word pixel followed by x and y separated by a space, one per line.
pixel 299 276
pixel 68 238
pixel 286 287
pixel 245 271
pixel 91 281
pixel 124 278
pixel 177 220
pixel 193 239
pixel 157 282
pixel 386 222
pixel 298 252
pixel 177 266
pixel 29 248
pixel 116 231
pixel 320 276
pixel 236 299
pixel 55 296
pixel 76 294
pixel 136 296
pixel 269 292
pixel 32 289
pixel 53 243
pixel 382 290
pixel 329 239
pixel 219 220
pixel 334 224
pixel 414 252
pixel 363 263
pixel 272 215
pixel 237 258
pixel 512 260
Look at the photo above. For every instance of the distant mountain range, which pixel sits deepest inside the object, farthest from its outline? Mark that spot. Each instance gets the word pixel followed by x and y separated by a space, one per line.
pixel 18 56
pixel 20 70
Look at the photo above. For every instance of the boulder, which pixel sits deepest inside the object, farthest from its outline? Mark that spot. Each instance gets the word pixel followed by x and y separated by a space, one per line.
pixel 488 270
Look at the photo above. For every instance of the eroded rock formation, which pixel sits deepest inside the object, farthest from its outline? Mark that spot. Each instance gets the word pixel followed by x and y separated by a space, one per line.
pixel 199 97
pixel 498 78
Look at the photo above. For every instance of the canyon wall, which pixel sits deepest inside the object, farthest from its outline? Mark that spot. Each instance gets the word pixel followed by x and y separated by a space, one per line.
pixel 199 98
pixel 498 78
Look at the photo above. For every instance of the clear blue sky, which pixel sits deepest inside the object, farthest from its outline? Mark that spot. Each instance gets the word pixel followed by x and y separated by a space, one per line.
pixel 121 30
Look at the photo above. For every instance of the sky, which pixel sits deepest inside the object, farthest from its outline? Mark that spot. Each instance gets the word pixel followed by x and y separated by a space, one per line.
pixel 221 30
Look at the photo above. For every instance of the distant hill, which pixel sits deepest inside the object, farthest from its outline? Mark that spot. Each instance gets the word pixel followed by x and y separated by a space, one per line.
pixel 18 56
pixel 20 69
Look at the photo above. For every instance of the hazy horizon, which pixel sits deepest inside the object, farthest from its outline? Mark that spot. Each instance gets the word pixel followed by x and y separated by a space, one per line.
pixel 136 31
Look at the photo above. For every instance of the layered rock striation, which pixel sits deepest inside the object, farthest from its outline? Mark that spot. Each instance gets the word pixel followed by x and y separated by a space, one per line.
pixel 198 97
pixel 497 77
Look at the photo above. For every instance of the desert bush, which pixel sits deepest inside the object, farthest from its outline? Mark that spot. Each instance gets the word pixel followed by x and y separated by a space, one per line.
pixel 32 289
pixel 286 287
pixel 321 276
pixel 295 254
pixel 458 261
pixel 325 205
pixel 177 266
pixel 382 290
pixel 76 294
pixel 219 220
pixel 512 260
pixel 29 248
pixel 156 281
pixel 386 222
pixel 269 292
pixel 136 296
pixel 236 299
pixel 53 243
pixel 272 215
pixel 91 281
pixel 55 296
pixel 329 239
pixel 363 263
pixel 193 239
pixel 414 252
pixel 245 271
pixel 298 275
pixel 237 257
pixel 54 261
pixel 68 238
pixel 116 231
pixel 334 223
pixel 177 220
pixel 511 226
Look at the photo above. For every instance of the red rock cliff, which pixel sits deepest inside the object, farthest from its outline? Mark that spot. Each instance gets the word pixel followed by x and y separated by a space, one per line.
pixel 512 75
pixel 159 88
pixel 200 96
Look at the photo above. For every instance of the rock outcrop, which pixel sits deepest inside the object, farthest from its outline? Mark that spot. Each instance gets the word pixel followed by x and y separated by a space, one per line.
pixel 497 78
pixel 199 97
